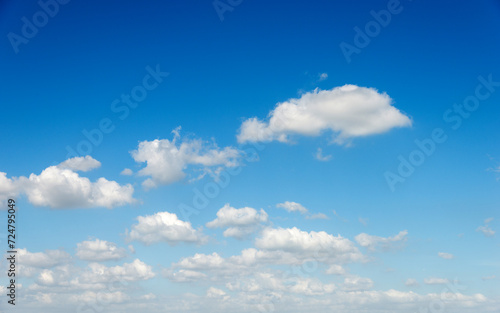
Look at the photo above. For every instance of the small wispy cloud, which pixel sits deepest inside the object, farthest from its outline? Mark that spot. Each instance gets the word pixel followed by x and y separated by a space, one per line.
pixel 317 216
pixel 322 77
pixel 320 157
pixel 486 229
pixel 447 256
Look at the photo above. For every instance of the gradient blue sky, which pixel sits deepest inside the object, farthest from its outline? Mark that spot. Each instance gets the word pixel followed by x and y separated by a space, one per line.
pixel 428 58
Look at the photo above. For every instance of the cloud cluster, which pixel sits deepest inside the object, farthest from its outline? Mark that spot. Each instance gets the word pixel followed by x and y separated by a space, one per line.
pixel 61 187
pixel 166 160
pixel 348 111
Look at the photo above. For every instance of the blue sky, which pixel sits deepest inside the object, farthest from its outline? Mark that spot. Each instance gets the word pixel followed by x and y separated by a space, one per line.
pixel 311 188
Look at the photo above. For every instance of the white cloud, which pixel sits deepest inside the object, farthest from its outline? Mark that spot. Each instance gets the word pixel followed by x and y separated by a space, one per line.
pixel 9 188
pixel 166 160
pixel 436 281
pixel 348 111
pixel 292 207
pixel 239 222
pixel 317 216
pixel 320 157
pixel 301 244
pixel 486 229
pixel 322 76
pixel 47 259
pixel 445 255
pixel 99 250
pixel 83 164
pixel 61 187
pixel 411 282
pixel 164 227
pixel 134 271
pixel 373 242
pixel 126 172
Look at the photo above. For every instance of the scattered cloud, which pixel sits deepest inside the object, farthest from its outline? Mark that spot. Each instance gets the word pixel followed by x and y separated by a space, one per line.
pixel 126 172
pixel 385 243
pixel 164 227
pixel 317 216
pixel 436 281
pixel 240 223
pixel 348 111
pixel 83 164
pixel 444 255
pixel 99 250
pixel 292 207
pixel 363 221
pixel 167 160
pixel 320 157
pixel 322 77
pixel 411 282
pixel 486 229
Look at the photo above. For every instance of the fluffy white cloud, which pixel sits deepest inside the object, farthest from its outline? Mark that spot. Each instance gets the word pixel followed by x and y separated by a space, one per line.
pixel 291 206
pixel 47 259
pixel 99 250
pixel 348 111
pixel 135 271
pixel 61 187
pixel 164 227
pixel 83 164
pixel 166 160
pixel 8 187
pixel 373 242
pixel 445 255
pixel 318 245
pixel 239 222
